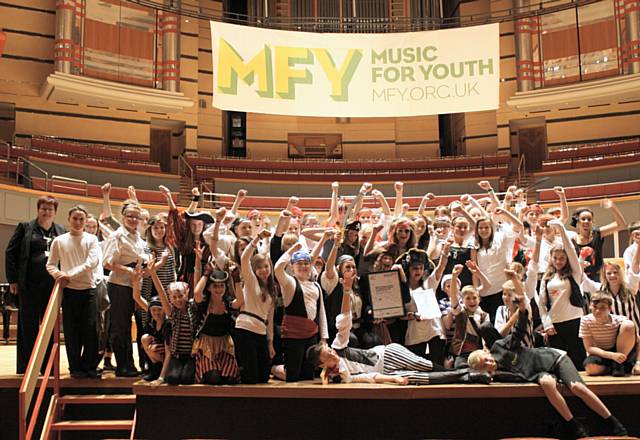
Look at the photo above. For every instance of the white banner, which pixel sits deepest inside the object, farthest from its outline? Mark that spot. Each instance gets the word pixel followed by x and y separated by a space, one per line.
pixel 351 75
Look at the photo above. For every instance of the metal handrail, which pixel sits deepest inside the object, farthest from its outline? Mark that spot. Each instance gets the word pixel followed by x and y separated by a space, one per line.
pixel 50 326
pixel 521 166
pixel 183 165
pixel 31 164
pixel 8 146
pixel 55 178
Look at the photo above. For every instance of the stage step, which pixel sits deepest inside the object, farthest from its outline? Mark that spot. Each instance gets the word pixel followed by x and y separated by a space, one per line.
pixel 76 399
pixel 93 425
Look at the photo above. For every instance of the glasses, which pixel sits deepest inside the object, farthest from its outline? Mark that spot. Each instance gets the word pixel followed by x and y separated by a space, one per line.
pixel 133 217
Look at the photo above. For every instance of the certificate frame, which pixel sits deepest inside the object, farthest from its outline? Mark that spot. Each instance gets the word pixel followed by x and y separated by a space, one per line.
pixel 385 294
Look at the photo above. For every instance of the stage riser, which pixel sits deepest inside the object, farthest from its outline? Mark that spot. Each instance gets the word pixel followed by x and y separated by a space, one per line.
pixel 253 418
pixel 9 413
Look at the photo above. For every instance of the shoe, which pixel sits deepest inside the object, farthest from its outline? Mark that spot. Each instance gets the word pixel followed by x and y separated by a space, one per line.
pixel 479 377
pixel 126 373
pixel 79 374
pixel 617 370
pixel 576 429
pixel 95 374
pixel 617 428
pixel 107 365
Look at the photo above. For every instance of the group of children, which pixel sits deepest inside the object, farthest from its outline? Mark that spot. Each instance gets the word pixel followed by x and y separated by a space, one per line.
pixel 226 299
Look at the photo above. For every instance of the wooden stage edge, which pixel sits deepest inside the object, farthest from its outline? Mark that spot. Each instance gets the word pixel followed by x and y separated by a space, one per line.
pixel 275 389
pixel 604 386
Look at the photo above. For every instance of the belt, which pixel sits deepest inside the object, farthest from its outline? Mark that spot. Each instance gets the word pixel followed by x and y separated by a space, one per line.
pixel 253 315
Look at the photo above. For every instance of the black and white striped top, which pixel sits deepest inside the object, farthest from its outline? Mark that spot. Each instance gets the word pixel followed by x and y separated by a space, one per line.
pixel 182 329
pixel 166 274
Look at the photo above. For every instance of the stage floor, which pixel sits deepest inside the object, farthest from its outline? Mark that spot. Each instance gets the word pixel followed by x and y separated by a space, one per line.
pixel 604 385
pixel 280 402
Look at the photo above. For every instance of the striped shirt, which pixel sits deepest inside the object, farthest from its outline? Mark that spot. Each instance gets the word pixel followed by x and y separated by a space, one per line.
pixel 166 274
pixel 182 329
pixel 629 306
pixel 604 334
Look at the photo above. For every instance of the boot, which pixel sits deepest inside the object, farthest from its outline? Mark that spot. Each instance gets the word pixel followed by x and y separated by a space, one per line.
pixel 616 427
pixel 461 375
pixel 154 372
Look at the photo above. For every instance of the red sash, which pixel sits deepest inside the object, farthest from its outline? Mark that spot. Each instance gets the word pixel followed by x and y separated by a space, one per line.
pixel 297 327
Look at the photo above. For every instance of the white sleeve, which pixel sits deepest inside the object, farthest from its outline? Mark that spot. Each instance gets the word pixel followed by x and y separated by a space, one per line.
pixel 328 284
pixel 532 279
pixel 364 377
pixel 343 324
pixel 588 285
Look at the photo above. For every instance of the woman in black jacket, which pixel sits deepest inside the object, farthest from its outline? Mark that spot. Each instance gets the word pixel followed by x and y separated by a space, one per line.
pixel 25 260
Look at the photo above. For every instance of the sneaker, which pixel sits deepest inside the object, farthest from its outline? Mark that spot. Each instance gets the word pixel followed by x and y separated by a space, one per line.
pixel 617 370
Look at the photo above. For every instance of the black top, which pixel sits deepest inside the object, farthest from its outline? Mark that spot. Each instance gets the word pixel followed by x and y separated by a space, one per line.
pixel 18 259
pixel 217 325
pixel 159 335
pixel 460 255
pixel 595 259
pixel 39 248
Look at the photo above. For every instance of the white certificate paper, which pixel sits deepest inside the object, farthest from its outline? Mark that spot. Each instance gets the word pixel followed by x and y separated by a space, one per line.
pixel 386 297
pixel 427 304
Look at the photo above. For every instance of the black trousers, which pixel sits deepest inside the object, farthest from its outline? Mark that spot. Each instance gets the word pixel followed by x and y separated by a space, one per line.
pixel 295 361
pixel 567 339
pixel 252 354
pixel 490 304
pixel 33 300
pixel 120 332
pixel 79 322
pixel 182 370
pixel 436 350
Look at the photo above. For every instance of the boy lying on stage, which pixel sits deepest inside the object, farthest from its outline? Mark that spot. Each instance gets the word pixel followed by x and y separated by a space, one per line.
pixel 381 364
pixel 510 360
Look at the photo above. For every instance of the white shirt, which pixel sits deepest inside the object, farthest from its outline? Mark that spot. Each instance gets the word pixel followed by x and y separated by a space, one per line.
pixel 253 303
pixel 628 255
pixel 355 371
pixel 493 261
pixel 425 329
pixel 77 256
pixel 123 247
pixel 310 290
pixel 561 308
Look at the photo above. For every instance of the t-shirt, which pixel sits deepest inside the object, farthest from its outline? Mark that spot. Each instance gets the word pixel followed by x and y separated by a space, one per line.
pixel 604 334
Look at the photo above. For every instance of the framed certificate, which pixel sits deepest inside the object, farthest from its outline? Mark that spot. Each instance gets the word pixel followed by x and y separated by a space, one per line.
pixel 386 297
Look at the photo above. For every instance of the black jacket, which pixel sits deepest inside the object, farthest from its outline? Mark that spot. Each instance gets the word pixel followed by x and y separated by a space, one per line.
pixel 520 363
pixel 18 251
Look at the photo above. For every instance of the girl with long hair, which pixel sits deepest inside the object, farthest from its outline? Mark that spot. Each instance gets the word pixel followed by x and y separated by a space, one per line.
pixel 560 300
pixel 254 325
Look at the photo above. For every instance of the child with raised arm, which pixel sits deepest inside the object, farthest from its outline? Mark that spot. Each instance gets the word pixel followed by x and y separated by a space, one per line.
pixel 465 320
pixel 156 331
pixel 381 364
pixel 182 313
pixel 510 360
pixel 304 320
pixel 254 325
pixel 561 301
pixel 213 347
